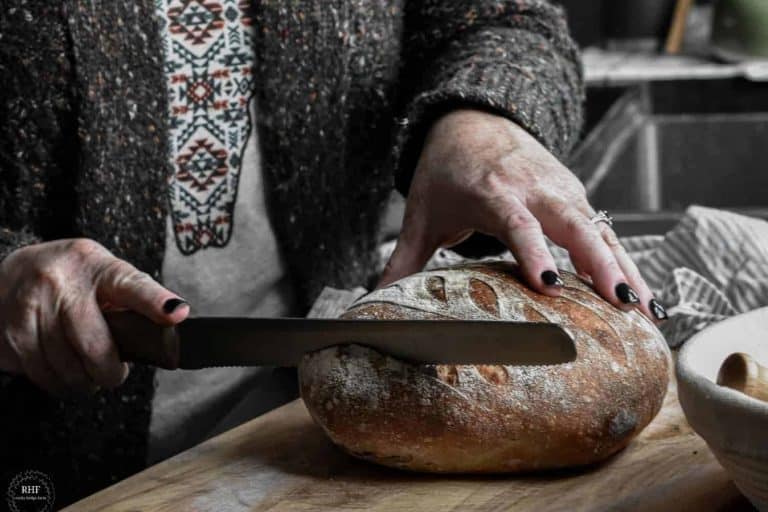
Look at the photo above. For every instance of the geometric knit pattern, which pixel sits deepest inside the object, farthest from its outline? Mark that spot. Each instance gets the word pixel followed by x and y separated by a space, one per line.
pixel 209 74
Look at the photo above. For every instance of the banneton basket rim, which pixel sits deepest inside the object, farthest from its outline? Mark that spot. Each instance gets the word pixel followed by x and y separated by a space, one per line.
pixel 728 414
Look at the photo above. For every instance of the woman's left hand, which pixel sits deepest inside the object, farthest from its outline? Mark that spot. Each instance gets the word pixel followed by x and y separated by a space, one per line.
pixel 481 172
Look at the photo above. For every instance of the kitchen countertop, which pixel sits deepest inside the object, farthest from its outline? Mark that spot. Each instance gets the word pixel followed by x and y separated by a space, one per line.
pixel 614 67
pixel 283 461
pixel 617 66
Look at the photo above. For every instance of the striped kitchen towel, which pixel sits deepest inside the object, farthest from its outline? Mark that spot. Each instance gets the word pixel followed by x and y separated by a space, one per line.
pixel 713 264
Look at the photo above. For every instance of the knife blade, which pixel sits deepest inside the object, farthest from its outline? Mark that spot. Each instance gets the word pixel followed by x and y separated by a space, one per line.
pixel 203 342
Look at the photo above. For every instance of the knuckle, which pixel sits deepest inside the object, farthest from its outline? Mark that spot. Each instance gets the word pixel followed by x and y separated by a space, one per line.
pixel 114 268
pixel 122 274
pixel 48 276
pixel 491 182
pixel 494 185
pixel 138 276
pixel 519 220
pixel 554 204
pixel 83 247
pixel 81 252
pixel 514 215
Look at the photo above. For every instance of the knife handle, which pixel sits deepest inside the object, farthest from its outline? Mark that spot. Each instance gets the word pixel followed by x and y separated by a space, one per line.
pixel 140 340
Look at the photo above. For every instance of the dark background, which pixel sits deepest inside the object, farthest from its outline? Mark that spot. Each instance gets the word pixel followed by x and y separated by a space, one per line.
pixel 592 21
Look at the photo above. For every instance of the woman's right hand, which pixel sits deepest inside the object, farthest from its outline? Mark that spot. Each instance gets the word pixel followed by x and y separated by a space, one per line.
pixel 51 325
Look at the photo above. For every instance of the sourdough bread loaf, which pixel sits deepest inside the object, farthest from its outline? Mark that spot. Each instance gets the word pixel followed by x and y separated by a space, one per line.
pixel 483 418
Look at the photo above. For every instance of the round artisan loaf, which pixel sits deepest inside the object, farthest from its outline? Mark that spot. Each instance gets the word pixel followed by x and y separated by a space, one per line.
pixel 481 418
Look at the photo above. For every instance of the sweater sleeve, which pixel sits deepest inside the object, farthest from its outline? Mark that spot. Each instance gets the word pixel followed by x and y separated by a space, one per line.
pixel 514 58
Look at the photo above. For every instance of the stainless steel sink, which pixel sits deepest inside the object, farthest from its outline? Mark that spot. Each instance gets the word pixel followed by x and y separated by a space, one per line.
pixel 656 148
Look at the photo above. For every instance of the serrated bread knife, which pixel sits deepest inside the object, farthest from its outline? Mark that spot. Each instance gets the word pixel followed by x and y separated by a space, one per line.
pixel 203 342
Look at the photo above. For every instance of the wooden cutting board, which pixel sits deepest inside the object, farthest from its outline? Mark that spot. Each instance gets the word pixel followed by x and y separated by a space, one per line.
pixel 283 461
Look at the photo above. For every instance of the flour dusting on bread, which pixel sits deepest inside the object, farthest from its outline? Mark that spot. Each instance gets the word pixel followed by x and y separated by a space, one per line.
pixel 490 418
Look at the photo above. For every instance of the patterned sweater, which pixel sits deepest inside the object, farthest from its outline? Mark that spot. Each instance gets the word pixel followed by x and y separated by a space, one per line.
pixel 83 153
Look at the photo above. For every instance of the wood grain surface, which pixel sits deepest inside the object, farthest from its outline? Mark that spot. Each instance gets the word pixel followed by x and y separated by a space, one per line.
pixel 282 461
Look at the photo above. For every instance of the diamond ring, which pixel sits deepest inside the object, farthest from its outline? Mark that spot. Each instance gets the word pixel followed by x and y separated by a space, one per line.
pixel 602 216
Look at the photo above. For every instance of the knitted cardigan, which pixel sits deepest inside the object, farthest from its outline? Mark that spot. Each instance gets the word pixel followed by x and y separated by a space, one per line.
pixel 346 91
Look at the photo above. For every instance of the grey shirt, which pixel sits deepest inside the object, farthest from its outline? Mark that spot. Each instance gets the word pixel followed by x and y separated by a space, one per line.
pixel 221 252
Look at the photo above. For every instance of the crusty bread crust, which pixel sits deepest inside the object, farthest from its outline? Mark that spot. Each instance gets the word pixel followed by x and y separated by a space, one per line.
pixel 462 418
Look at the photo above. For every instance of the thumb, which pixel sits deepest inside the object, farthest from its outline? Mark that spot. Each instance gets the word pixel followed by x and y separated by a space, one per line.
pixel 411 253
pixel 122 285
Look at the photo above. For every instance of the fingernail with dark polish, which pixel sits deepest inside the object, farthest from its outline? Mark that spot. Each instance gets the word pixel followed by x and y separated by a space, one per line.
pixel 551 278
pixel 172 305
pixel 658 310
pixel 626 294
